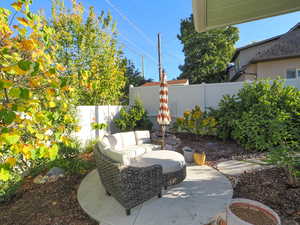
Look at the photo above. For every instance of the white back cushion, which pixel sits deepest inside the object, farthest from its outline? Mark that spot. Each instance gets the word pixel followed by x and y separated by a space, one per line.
pixel 116 142
pixel 106 142
pixel 142 137
pixel 128 139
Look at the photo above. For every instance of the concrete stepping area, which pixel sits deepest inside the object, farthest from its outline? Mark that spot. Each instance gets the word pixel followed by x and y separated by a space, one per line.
pixel 200 197
pixel 235 167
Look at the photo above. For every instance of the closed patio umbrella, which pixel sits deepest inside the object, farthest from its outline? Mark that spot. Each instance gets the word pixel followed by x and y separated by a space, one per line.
pixel 163 117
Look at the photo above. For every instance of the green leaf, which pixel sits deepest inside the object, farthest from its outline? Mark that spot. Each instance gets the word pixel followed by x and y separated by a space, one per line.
pixel 52 71
pixel 7 116
pixel 24 93
pixel 36 68
pixel 14 92
pixel 5 84
pixel 24 65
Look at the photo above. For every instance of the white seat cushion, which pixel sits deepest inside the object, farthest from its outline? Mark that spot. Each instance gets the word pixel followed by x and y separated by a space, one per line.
pixel 142 137
pixel 169 160
pixel 150 147
pixel 135 150
pixel 128 139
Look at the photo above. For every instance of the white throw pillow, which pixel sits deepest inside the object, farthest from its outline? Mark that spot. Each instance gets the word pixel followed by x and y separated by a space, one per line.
pixel 128 139
pixel 142 137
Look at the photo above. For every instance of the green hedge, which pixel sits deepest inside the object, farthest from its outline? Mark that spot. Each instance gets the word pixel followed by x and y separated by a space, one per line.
pixel 263 116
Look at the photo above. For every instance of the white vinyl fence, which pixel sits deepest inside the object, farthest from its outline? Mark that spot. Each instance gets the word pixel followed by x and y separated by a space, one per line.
pixel 100 114
pixel 182 98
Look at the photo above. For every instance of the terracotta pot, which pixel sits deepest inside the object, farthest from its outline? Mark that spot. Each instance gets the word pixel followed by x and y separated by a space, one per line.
pixel 232 219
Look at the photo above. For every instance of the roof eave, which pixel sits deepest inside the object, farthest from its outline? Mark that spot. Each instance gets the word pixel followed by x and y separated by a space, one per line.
pixel 274 58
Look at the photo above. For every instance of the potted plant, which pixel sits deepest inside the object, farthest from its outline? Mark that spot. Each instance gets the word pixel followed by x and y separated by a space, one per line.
pixel 248 212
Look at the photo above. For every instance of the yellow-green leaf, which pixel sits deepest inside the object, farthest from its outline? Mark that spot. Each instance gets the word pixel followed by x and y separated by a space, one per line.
pixel 11 161
pixel 17 5
pixel 53 152
pixel 14 92
pixel 4 174
pixel 23 21
pixel 52 104
pixel 11 138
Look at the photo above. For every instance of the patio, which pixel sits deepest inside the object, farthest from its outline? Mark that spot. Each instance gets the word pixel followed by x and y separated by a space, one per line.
pixel 201 196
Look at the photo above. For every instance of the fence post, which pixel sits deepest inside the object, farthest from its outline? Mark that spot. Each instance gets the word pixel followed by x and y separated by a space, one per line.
pixel 97 120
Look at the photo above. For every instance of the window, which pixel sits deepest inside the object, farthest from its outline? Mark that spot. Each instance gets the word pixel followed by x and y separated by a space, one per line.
pixel 293 74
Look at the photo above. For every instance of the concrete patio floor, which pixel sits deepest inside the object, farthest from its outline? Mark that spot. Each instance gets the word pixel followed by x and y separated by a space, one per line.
pixel 200 197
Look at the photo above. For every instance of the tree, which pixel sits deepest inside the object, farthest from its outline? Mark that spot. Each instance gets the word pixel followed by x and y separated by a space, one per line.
pixel 133 77
pixel 87 47
pixel 36 114
pixel 206 54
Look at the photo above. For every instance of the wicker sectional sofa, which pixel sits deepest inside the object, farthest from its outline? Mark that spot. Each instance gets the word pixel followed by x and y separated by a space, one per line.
pixel 127 171
pixel 130 186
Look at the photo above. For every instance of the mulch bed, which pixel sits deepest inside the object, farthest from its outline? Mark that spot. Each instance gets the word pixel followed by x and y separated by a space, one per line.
pixel 46 204
pixel 269 186
pixel 216 150
pixel 56 203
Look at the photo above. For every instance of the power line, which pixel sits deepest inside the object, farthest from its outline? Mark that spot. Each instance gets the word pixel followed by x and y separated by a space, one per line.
pixel 131 23
pixel 135 27
pixel 139 49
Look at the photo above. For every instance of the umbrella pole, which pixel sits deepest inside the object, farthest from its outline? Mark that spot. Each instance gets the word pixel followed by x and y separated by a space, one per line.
pixel 163 129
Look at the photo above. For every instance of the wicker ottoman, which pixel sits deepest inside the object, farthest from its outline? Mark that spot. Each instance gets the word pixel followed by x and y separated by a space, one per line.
pixel 172 163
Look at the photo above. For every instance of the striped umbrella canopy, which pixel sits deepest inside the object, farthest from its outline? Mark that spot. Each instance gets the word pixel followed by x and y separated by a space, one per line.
pixel 163 117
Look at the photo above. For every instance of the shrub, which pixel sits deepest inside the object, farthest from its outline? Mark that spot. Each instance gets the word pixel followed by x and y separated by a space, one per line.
pixel 36 111
pixel 133 118
pixel 229 108
pixel 196 122
pixel 264 116
pixel 260 116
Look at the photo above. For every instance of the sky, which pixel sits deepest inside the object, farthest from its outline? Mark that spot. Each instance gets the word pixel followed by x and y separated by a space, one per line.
pixel 139 22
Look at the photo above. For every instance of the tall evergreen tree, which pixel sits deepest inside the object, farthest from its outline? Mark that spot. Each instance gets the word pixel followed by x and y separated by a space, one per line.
pixel 206 54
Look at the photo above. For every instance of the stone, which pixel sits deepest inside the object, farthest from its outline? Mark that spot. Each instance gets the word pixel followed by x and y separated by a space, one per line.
pixel 202 195
pixel 39 179
pixel 55 171
pixel 169 147
pixel 211 145
pixel 235 167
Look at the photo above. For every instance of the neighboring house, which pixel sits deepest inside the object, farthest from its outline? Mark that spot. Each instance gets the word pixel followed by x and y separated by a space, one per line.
pixel 268 59
pixel 171 82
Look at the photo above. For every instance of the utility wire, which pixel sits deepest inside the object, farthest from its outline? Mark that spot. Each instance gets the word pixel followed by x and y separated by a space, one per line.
pixel 130 23
pixel 135 27
pixel 139 49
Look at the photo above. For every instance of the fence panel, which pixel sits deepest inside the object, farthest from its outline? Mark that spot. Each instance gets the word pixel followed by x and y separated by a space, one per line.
pixel 182 98
pixel 100 114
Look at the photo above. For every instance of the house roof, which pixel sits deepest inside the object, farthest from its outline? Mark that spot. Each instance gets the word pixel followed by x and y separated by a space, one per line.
pixel 238 50
pixel 287 46
pixel 170 82
pixel 257 43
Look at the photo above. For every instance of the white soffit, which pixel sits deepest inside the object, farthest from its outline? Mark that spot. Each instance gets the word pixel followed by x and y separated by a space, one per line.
pixel 209 14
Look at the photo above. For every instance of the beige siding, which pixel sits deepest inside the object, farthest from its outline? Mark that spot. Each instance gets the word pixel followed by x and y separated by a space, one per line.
pixel 276 68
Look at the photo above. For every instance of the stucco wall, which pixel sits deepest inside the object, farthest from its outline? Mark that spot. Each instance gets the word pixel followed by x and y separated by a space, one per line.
pixel 274 69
